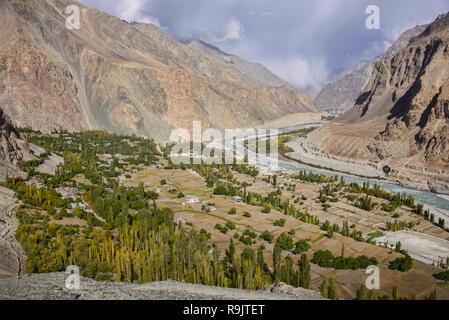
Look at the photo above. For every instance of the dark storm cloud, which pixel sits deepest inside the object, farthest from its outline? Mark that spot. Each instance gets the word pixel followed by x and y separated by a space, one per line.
pixel 305 42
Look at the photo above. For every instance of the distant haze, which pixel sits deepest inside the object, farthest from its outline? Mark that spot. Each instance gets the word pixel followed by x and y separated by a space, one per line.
pixel 304 42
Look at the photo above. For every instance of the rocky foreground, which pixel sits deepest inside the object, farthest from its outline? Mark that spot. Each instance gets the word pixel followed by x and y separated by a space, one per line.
pixel 51 286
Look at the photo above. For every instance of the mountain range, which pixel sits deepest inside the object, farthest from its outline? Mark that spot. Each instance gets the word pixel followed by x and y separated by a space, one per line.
pixel 129 78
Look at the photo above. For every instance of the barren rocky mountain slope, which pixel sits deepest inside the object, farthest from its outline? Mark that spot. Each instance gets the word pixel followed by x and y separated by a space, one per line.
pixel 341 93
pixel 13 148
pixel 125 78
pixel 12 258
pixel 52 287
pixel 255 71
pixel 344 90
pixel 401 119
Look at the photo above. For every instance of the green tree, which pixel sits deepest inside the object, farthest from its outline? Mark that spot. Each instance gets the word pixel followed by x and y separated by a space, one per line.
pixel 277 251
pixel 304 271
pixel 361 293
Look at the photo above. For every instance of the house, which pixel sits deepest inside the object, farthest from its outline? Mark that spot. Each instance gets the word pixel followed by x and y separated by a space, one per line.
pixel 67 192
pixel 192 200
pixel 79 205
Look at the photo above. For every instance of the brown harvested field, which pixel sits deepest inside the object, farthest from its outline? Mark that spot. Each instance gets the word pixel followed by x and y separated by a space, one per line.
pixel 418 281
pixel 75 221
pixel 80 178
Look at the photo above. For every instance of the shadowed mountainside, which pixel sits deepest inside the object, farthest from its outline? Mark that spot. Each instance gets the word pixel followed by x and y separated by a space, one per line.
pixel 342 92
pixel 13 148
pixel 401 119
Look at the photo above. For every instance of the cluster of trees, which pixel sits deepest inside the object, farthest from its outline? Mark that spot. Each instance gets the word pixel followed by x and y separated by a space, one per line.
pixel 279 223
pixel 345 231
pixel 80 152
pixel 248 237
pixel 267 236
pixel 330 190
pixel 431 217
pixel 285 272
pixel 226 190
pixel 396 199
pixel 151 248
pixel 366 203
pixel 44 198
pixel 141 150
pixel 272 201
pixel 396 225
pixel 325 258
pixel 301 246
pixel 285 242
pixel 329 290
pixel 326 226
pixel 221 228
pixel 113 202
pixel 283 148
pixel 315 178
pixel 402 264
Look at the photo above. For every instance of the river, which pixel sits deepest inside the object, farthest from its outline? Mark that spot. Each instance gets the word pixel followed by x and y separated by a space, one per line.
pixel 420 196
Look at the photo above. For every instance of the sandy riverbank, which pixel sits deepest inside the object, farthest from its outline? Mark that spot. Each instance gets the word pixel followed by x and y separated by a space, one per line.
pixel 309 154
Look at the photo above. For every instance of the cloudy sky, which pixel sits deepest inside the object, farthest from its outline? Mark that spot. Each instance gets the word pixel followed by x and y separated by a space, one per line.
pixel 303 41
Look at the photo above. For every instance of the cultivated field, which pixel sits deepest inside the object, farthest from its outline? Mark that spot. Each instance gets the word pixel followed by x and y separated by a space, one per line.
pixel 419 281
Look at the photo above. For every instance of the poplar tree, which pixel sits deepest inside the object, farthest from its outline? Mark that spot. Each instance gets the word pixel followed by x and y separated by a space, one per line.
pixel 304 271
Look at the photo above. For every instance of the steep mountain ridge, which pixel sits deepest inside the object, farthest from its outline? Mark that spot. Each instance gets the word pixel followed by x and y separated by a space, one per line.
pixel 342 92
pixel 400 121
pixel 257 72
pixel 13 148
pixel 125 78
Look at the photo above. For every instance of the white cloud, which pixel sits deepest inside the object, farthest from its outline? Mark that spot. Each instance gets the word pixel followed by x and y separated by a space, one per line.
pixel 234 31
pixel 299 71
pixel 134 10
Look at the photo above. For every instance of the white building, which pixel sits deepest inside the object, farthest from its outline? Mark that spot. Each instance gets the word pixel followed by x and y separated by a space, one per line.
pixel 192 200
